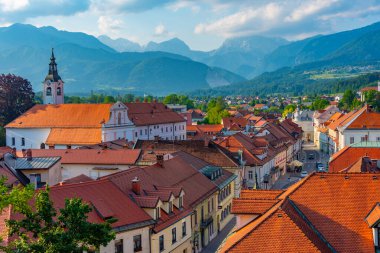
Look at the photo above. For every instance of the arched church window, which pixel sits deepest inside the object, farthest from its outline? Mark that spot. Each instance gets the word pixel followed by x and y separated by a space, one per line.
pixel 119 118
pixel 42 146
pixel 59 92
pixel 48 91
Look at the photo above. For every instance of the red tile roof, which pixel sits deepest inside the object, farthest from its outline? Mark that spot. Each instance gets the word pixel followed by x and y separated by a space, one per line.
pixel 252 206
pixel 369 88
pixel 92 115
pixel 78 179
pixel 347 156
pixel 90 156
pixel 105 197
pixel 260 194
pixel 235 121
pixel 152 113
pixel 367 119
pixel 332 220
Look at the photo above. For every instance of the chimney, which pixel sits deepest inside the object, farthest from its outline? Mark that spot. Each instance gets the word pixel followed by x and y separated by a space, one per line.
pixel 160 160
pixel 29 154
pixel 13 152
pixel 136 186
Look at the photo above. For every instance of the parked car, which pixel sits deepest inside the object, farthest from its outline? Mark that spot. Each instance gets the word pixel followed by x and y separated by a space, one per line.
pixel 311 156
pixel 304 174
pixel 320 167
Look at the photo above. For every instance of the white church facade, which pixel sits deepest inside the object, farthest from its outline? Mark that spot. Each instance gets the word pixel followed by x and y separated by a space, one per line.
pixel 60 126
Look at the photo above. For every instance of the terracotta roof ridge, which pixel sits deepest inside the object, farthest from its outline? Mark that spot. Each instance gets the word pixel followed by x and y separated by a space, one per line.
pixel 77 184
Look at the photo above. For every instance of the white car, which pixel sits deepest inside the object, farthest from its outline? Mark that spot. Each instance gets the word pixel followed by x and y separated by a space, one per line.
pixel 304 174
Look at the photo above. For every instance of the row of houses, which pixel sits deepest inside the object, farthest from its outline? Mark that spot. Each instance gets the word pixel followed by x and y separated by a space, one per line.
pixel 336 211
pixel 334 130
pixel 177 203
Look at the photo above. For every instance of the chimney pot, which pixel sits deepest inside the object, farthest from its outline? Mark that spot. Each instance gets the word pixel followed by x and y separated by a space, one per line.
pixel 136 186
pixel 160 160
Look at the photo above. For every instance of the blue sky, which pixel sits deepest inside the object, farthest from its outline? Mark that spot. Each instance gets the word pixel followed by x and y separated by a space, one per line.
pixel 202 24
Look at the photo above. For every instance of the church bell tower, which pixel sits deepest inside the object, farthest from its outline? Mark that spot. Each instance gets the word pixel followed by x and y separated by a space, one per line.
pixel 53 84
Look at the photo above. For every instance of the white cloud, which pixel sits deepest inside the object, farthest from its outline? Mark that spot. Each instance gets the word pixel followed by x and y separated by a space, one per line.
pixel 244 22
pixel 309 8
pixel 161 31
pixel 108 25
pixel 13 5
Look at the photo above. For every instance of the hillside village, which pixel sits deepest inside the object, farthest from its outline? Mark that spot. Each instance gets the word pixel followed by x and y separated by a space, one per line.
pixel 174 183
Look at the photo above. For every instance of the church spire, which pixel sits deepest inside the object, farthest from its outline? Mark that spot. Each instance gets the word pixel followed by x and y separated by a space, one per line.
pixel 53 71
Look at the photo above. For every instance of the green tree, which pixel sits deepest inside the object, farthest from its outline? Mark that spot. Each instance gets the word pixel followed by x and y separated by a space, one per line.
pixel 319 104
pixel 16 96
pixel 109 100
pixel 372 98
pixel 288 109
pixel 42 228
pixel 171 99
pixel 347 100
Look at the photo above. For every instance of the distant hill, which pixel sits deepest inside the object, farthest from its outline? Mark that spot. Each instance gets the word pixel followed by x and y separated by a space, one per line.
pixel 86 64
pixel 120 44
pixel 241 55
pixel 320 64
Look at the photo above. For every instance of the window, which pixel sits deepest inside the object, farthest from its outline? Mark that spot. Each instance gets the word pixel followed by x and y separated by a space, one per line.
pixel 170 207
pixel 13 141
pixel 183 229
pixel 352 140
pixel 22 141
pixel 119 246
pixel 140 132
pixel 137 243
pixel 59 92
pixel 136 134
pixel 208 207
pixel 250 174
pixel 161 241
pixel 146 131
pixel 212 204
pixel 166 129
pixel 364 138
pixel 180 202
pixel 42 146
pixel 119 118
pixel 377 138
pixel 48 91
pixel 174 235
pixel 158 210
pixel 195 217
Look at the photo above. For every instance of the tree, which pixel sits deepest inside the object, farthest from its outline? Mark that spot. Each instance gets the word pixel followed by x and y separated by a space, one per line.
pixel 288 109
pixel 42 228
pixel 171 99
pixel 347 100
pixel 319 104
pixel 2 136
pixel 16 96
pixel 372 98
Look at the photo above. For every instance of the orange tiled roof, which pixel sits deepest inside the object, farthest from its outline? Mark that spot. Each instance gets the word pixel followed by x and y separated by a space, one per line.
pixel 210 128
pixel 74 136
pixel 262 194
pixel 334 220
pixel 252 206
pixel 349 155
pixel 367 119
pixel 368 88
pixel 64 115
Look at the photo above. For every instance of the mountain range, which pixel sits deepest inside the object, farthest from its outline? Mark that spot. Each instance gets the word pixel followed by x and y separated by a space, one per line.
pixel 87 64
pixel 273 65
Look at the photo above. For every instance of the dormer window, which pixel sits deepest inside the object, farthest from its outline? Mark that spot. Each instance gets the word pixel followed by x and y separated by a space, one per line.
pixel 180 202
pixel 170 207
pixel 158 211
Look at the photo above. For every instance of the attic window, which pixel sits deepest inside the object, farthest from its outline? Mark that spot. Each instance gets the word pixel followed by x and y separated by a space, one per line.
pixel 170 207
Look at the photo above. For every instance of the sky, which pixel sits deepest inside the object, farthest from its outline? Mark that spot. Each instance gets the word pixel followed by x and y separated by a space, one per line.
pixel 202 24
